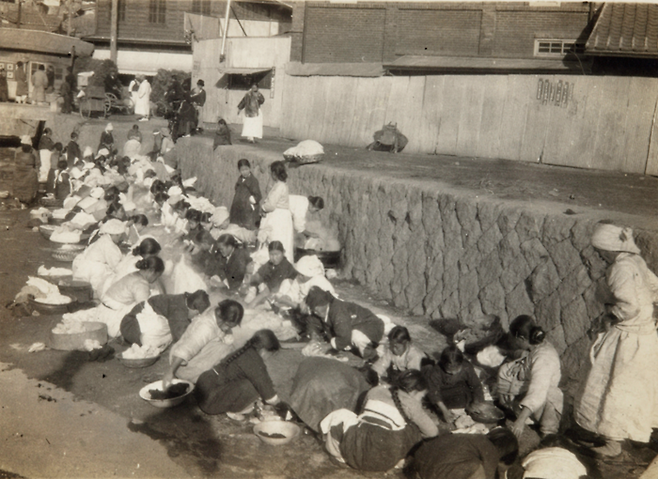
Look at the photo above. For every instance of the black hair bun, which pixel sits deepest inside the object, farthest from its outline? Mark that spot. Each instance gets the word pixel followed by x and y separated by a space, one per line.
pixel 537 335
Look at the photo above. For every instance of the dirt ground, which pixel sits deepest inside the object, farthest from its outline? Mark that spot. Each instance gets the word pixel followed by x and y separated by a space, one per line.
pixel 64 416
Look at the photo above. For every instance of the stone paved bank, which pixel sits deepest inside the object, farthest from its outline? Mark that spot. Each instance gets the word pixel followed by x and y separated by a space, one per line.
pixel 442 252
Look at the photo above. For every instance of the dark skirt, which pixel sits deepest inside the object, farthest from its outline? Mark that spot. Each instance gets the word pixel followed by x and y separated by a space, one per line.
pixel 214 395
pixel 322 386
pixel 369 447
pixel 25 184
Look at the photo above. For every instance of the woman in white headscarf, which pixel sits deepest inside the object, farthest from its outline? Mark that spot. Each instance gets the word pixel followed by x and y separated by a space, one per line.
pixel 620 398
pixel 99 260
pixel 310 272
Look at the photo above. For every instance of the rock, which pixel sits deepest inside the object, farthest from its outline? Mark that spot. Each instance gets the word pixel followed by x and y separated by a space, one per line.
pixel 529 226
pixel 514 273
pixel 543 280
pixel 575 320
pixel 492 298
pixel 556 229
pixel 517 302
pixel 548 312
pixel 489 270
pixel 564 256
pixel 489 240
pixel 574 285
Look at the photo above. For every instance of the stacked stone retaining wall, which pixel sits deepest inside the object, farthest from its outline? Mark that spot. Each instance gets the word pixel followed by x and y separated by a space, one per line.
pixel 443 253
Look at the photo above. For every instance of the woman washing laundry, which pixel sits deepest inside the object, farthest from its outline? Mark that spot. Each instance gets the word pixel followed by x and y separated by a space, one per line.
pixel 221 224
pixel 205 342
pixel 398 355
pixel 346 325
pixel 529 386
pixel 100 259
pixel 620 396
pixel 161 319
pixel 310 272
pixel 238 381
pixel 227 266
pixel 392 423
pixel 466 456
pixel 453 383
pixel 123 296
pixel 147 247
pixel 303 208
pixel 267 280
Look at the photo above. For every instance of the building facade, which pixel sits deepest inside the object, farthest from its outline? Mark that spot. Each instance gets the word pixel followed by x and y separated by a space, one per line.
pixel 407 36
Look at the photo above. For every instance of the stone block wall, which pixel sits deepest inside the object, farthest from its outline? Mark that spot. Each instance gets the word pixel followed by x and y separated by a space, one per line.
pixel 445 254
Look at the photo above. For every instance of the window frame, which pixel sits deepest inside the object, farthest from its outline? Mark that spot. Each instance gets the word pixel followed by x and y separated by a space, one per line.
pixel 566 46
pixel 201 7
pixel 158 12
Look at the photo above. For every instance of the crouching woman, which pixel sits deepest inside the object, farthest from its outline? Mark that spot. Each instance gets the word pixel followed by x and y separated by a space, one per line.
pixel 162 318
pixel 529 385
pixel 233 385
pixel 392 423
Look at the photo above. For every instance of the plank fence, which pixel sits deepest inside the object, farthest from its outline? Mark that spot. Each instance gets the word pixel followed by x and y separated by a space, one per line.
pixel 579 121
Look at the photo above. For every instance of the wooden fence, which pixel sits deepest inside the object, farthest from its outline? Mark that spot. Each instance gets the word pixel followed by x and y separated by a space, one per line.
pixel 579 121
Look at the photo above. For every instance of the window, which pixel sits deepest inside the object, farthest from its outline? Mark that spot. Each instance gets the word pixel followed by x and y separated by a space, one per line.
pixel 157 10
pixel 122 10
pixel 244 82
pixel 201 6
pixel 558 48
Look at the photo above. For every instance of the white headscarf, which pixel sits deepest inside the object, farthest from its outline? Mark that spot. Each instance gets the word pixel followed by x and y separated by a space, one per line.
pixel 310 266
pixel 113 227
pixel 614 238
pixel 220 215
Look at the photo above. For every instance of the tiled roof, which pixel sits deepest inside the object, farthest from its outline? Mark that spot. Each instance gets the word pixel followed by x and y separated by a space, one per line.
pixel 625 29
pixel 44 42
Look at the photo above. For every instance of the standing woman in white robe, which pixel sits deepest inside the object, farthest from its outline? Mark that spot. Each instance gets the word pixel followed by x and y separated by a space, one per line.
pixel 143 106
pixel 133 88
pixel 252 126
pixel 277 221
pixel 620 398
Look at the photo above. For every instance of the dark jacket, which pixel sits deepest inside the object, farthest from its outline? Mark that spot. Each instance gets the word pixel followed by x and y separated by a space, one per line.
pixel 233 269
pixel 171 306
pixel 344 317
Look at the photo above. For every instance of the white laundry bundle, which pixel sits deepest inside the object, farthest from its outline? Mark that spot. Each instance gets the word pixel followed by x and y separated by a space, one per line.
pixel 141 352
pixel 44 271
pixel 307 151
pixel 69 325
pixel 155 331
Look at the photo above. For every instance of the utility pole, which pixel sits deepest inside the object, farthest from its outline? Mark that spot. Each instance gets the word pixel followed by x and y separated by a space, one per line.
pixel 20 8
pixel 70 22
pixel 113 30
pixel 226 19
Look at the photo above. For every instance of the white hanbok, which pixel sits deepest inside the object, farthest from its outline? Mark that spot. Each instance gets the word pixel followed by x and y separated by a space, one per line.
pixel 620 398
pixel 143 105
pixel 97 262
pixel 277 224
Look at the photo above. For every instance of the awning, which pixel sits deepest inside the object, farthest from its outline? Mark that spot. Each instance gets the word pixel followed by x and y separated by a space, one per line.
pixel 335 69
pixel 42 42
pixel 131 62
pixel 625 29
pixel 444 64
pixel 243 71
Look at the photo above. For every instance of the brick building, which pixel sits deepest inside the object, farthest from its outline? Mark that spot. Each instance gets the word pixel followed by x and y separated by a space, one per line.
pixel 443 36
pixel 153 34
